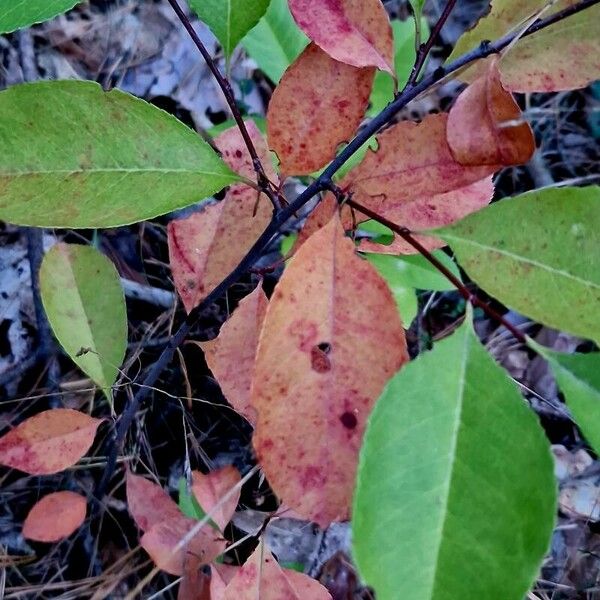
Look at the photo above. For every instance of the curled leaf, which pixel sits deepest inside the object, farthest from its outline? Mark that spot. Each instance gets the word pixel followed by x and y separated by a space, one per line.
pixel 322 361
pixel 54 517
pixel 305 125
pixel 486 126
pixel 205 247
pixel 355 32
pixel 231 356
pixel 48 442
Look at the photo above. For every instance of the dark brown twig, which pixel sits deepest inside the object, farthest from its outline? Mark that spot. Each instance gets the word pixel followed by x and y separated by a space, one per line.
pixel 263 181
pixel 323 182
pixel 407 236
pixel 425 48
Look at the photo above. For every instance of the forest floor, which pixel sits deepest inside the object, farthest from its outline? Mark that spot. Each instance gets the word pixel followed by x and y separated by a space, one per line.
pixel 139 46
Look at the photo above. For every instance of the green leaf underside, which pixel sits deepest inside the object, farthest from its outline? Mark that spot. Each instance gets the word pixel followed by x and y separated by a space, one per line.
pixel 84 302
pixel 578 377
pixel 15 14
pixel 276 41
pixel 455 495
pixel 538 253
pixel 72 155
pixel 230 20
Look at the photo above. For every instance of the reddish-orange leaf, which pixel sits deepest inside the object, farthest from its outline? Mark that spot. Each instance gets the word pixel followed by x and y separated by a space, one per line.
pixel 48 442
pixel 54 517
pixel 148 503
pixel 210 489
pixel 163 540
pixel 205 247
pixel 318 104
pixel 431 212
pixel 317 219
pixel 355 32
pixel 262 577
pixel 195 584
pixel 221 576
pixel 232 354
pixel 322 362
pixel 486 126
pixel 413 162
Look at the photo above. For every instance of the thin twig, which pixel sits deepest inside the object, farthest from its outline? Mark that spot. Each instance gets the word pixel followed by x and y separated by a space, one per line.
pixel 263 181
pixel 323 182
pixel 407 236
pixel 425 49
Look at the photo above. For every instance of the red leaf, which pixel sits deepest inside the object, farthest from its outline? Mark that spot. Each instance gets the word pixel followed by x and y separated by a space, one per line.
pixel 318 104
pixel 48 442
pixel 414 181
pixel 148 503
pixel 485 125
pixel 54 517
pixel 262 577
pixel 322 362
pixel 232 354
pixel 205 247
pixel 355 32
pixel 195 584
pixel 432 212
pixel 163 539
pixel 211 488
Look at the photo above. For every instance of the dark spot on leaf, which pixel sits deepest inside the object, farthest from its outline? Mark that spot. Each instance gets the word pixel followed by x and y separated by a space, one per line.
pixel 319 360
pixel 349 420
pixel 324 347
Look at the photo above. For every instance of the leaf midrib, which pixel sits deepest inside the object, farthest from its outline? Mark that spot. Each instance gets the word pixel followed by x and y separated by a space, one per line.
pixel 519 258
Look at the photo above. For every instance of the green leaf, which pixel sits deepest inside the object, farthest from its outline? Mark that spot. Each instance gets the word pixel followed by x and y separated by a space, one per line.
pixel 72 155
pixel 230 20
pixel 415 271
pixel 404 59
pixel 15 14
pixel 578 377
pixel 538 254
pixel 188 504
pixel 455 495
pixel 276 41
pixel 84 302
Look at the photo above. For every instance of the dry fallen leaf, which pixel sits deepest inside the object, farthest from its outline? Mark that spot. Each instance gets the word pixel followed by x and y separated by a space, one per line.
pixel 355 32
pixel 205 247
pixel 231 355
pixel 209 490
pixel 162 542
pixel 318 104
pixel 148 503
pixel 486 126
pixel 262 577
pixel 54 517
pixel 48 442
pixel 322 362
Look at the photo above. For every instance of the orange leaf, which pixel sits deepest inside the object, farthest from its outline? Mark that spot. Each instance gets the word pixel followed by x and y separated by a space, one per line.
pixel 205 247
pixel 355 32
pixel 435 211
pixel 232 354
pixel 485 125
pixel 48 442
pixel 262 577
pixel 148 503
pixel 162 542
pixel 54 517
pixel 318 218
pixel 318 104
pixel 209 490
pixel 322 362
